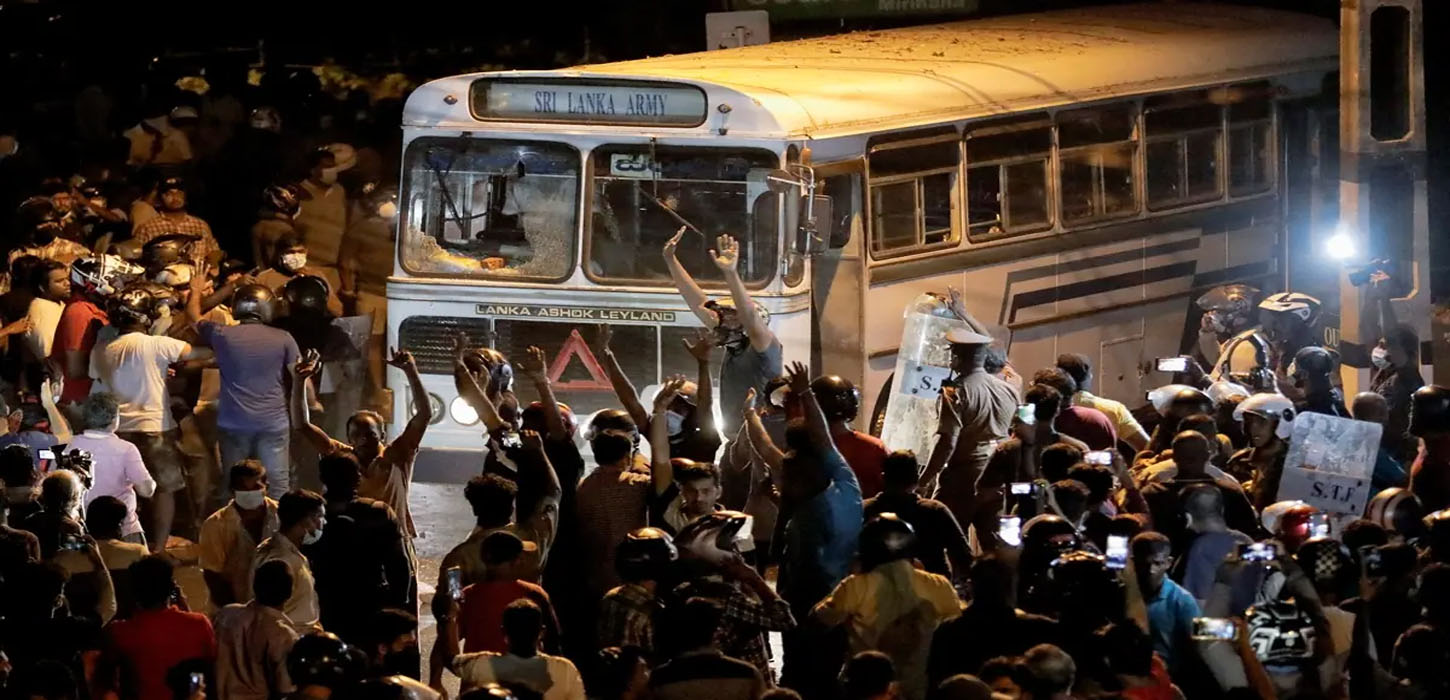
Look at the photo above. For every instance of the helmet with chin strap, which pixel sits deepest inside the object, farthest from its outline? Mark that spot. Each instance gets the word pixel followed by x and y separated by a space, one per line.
pixel 1275 407
pixel 837 397
pixel 253 302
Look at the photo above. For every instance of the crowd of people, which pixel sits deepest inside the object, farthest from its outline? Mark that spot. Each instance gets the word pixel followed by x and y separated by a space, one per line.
pixel 162 394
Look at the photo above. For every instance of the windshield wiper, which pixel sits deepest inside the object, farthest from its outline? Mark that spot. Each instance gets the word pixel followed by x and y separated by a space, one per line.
pixel 676 215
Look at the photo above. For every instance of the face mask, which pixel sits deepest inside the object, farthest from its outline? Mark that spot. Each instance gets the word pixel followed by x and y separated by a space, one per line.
pixel 676 423
pixel 250 500
pixel 328 176
pixel 388 210
pixel 1380 357
pixel 311 537
pixel 294 261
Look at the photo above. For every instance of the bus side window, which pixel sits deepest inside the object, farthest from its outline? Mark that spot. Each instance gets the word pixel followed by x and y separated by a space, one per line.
pixel 912 191
pixel 1184 146
pixel 1007 172
pixel 1250 146
pixel 1096 150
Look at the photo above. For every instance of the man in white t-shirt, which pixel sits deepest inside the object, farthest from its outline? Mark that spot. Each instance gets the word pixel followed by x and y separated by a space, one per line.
pixel 552 677
pixel 134 367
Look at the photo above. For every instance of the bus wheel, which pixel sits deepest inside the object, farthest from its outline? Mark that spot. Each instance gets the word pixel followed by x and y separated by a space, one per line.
pixel 878 412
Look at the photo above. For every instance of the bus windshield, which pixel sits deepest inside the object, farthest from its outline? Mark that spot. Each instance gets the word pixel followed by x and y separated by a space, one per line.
pixel 490 208
pixel 718 190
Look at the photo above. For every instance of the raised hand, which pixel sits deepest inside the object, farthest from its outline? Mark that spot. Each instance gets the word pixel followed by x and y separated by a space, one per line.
pixel 800 378
pixel 308 364
pixel 402 359
pixel 533 442
pixel 701 347
pixel 749 406
pixel 531 365
pixel 674 242
pixel 603 337
pixel 726 253
pixel 669 391
pixel 460 345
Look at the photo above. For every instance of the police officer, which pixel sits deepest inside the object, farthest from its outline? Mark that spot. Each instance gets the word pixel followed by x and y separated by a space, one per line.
pixel 1311 374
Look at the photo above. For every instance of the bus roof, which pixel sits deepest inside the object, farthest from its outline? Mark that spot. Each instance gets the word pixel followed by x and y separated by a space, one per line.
pixel 899 78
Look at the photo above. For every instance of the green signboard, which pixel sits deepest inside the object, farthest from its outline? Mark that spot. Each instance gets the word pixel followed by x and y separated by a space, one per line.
pixel 826 9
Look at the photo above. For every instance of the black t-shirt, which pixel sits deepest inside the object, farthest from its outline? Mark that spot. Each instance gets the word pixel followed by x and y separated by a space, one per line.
pixel 937 530
pixel 360 566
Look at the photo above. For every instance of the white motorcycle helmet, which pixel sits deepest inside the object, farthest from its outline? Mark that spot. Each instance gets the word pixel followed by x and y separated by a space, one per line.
pixel 1274 406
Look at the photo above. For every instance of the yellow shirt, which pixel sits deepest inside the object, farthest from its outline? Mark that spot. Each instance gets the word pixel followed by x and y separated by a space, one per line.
pixel 226 548
pixel 301 607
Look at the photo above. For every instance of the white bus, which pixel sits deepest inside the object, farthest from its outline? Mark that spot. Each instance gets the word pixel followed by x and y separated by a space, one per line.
pixel 1081 175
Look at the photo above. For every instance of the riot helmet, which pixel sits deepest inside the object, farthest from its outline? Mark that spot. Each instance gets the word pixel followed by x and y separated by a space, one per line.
pixel 1396 510
pixel 306 295
pixel 1272 407
pixel 1229 308
pixel 1280 633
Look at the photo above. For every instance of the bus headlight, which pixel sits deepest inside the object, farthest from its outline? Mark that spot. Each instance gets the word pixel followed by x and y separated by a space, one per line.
pixel 435 402
pixel 461 412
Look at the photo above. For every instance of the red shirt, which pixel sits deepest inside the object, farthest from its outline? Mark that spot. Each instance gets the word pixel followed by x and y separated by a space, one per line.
pixel 1089 425
pixel 79 324
pixel 866 456
pixel 480 614
pixel 152 642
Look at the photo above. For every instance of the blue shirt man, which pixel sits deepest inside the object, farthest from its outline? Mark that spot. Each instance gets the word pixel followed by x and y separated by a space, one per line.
pixel 1171 609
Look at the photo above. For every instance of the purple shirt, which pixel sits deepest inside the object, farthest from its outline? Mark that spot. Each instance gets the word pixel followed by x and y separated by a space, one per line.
pixel 116 468
pixel 254 361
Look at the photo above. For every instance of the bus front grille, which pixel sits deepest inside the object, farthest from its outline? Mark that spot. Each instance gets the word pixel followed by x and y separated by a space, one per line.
pixel 431 339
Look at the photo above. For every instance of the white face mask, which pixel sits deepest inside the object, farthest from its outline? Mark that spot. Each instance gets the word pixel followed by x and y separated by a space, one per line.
pixel 313 536
pixel 675 422
pixel 1380 357
pixel 294 261
pixel 250 500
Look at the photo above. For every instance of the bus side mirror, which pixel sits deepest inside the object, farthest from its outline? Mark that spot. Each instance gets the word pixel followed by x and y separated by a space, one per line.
pixel 816 222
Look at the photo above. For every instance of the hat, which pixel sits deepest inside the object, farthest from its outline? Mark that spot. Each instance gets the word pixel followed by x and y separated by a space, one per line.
pixel 966 336
pixel 502 547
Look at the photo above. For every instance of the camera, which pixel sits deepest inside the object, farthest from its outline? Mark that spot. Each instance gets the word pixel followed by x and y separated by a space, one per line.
pixel 78 461
pixel 1359 275
pixel 1117 553
pixel 1258 551
pixel 1102 458
pixel 1021 488
pixel 1212 629
pixel 1172 364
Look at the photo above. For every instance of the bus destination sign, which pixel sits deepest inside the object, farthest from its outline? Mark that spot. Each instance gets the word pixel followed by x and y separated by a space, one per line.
pixel 576 313
pixel 612 102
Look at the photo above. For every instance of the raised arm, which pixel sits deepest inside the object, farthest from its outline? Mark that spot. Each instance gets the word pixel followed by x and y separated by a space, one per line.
pixel 959 308
pixel 759 439
pixel 552 488
pixel 695 297
pixel 659 437
pixel 705 398
pixel 193 300
pixel 412 435
pixel 623 389
pixel 531 365
pixel 819 428
pixel 306 368
pixel 727 258
pixel 473 388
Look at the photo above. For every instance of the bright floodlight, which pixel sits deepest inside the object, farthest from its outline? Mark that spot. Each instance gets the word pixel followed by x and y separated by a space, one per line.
pixel 1340 246
pixel 462 413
